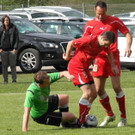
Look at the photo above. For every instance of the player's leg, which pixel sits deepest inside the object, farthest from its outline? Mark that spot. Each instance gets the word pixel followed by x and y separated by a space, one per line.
pixel 69 120
pixel 63 103
pixel 120 98
pixel 88 96
pixel 100 72
pixel 104 100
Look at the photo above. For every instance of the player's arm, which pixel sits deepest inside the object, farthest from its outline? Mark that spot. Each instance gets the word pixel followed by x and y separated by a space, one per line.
pixel 128 50
pixel 25 119
pixel 66 56
pixel 123 29
pixel 113 66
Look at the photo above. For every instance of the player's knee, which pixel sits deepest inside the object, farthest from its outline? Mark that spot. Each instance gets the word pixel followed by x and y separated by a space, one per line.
pixel 63 99
pixel 66 98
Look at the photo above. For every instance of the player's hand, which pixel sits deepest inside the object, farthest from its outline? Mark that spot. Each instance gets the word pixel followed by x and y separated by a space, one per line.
pixel 128 52
pixel 115 70
pixel 70 77
pixel 65 57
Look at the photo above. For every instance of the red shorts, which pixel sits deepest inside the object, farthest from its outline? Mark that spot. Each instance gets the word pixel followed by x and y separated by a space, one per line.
pixel 82 74
pixel 102 66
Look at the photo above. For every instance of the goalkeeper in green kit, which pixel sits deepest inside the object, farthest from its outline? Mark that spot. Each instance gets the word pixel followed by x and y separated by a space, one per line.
pixel 41 105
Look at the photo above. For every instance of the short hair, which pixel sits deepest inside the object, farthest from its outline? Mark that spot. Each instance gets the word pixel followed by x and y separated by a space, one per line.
pixel 40 76
pixel 108 35
pixel 101 4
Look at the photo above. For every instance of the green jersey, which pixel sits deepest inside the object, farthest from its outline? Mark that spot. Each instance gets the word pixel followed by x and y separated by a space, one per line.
pixel 37 98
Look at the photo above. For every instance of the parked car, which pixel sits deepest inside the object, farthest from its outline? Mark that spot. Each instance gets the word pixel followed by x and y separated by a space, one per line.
pixel 78 21
pixel 129 14
pixel 127 19
pixel 47 12
pixel 24 14
pixel 60 11
pixel 37 48
pixel 59 27
pixel 127 62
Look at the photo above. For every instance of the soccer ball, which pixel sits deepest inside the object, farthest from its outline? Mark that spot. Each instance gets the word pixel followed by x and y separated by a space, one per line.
pixel 91 120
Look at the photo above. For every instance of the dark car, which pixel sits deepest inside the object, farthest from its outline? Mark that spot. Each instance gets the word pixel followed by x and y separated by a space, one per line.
pixel 59 26
pixel 37 48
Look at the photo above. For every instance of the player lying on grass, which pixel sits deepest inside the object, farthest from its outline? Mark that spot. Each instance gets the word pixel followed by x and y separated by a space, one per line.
pixel 87 49
pixel 41 106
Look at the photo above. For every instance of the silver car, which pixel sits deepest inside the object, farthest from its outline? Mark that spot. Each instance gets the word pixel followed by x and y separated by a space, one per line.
pixel 128 62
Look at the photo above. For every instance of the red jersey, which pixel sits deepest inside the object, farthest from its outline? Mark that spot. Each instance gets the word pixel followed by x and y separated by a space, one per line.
pixel 111 23
pixel 87 48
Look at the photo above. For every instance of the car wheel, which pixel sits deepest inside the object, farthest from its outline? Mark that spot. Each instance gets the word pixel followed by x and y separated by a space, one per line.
pixel 30 61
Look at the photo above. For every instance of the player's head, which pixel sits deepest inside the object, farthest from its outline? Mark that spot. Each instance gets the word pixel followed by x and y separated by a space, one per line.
pixel 106 38
pixel 100 10
pixel 42 79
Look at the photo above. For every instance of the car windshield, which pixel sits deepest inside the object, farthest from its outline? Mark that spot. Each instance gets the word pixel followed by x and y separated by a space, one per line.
pixel 131 30
pixel 26 26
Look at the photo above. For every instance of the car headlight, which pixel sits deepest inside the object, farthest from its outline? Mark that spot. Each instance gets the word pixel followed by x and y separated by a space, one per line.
pixel 49 45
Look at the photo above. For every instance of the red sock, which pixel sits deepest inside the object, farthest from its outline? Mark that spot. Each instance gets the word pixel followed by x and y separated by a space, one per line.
pixel 106 105
pixel 83 111
pixel 121 103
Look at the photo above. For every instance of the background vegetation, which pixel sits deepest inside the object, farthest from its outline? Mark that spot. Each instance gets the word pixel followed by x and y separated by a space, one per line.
pixel 114 6
pixel 59 2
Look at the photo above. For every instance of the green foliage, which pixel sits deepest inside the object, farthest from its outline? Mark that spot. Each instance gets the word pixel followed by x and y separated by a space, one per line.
pixel 59 2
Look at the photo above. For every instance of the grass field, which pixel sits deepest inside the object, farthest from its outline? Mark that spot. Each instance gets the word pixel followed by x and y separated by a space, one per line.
pixel 12 99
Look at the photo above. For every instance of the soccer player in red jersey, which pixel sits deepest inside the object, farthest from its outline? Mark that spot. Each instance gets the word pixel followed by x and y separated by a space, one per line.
pixel 101 69
pixel 87 49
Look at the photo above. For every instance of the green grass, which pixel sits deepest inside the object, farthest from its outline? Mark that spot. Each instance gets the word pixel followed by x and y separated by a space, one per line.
pixel 12 99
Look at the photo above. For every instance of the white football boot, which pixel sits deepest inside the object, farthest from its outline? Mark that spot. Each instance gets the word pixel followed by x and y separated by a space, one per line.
pixel 122 122
pixel 107 120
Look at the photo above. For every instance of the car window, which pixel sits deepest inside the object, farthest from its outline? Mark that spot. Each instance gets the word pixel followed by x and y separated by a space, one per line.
pixel 71 30
pixel 38 15
pixel 52 28
pixel 52 14
pixel 74 14
pixel 26 27
pixel 22 16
